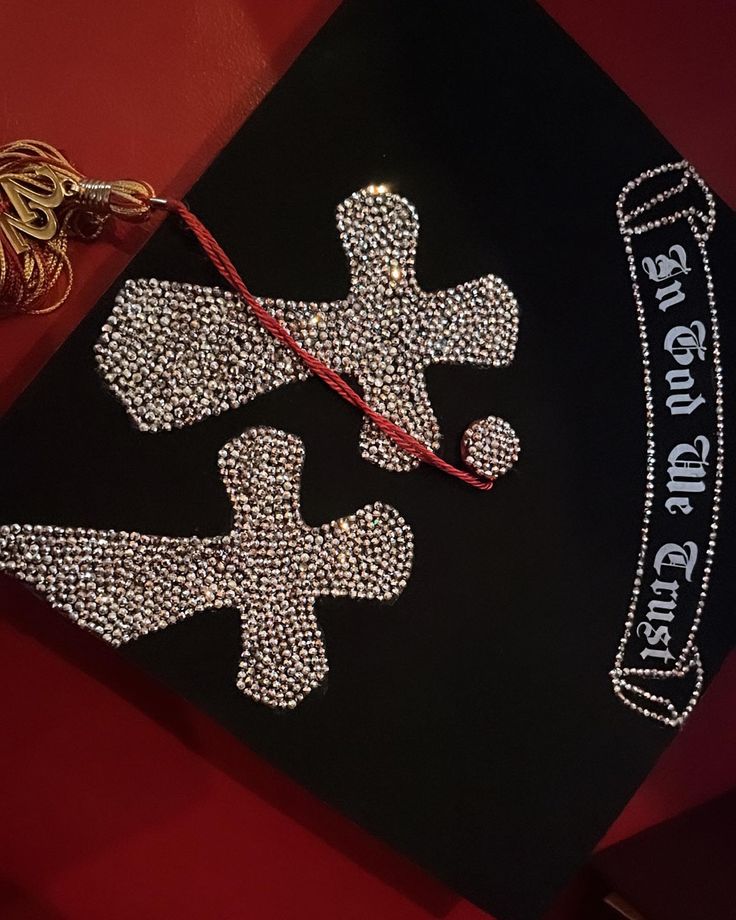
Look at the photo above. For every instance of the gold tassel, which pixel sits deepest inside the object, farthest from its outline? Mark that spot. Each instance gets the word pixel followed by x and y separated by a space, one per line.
pixel 44 200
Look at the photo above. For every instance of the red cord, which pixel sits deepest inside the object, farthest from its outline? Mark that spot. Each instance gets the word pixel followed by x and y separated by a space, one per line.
pixel 228 271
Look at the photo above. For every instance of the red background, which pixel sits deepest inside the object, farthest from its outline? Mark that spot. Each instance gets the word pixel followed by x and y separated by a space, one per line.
pixel 119 799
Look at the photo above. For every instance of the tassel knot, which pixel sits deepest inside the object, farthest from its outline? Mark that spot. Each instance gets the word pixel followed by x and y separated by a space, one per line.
pixel 43 201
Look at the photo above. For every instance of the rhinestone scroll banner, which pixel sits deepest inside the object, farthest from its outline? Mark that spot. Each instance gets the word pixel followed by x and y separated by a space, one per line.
pixel 666 216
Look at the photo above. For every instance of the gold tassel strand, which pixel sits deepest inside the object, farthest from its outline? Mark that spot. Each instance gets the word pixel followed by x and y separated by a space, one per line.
pixel 44 201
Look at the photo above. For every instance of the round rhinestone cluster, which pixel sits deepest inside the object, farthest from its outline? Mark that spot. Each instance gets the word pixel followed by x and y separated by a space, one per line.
pixel 490 447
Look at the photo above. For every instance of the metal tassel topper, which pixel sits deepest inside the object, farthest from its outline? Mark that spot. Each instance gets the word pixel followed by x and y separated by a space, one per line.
pixel 272 567
pixel 45 201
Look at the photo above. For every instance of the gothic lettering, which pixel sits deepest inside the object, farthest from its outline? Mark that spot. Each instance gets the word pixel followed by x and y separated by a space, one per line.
pixel 654 635
pixel 669 296
pixel 673 555
pixel 686 471
pixel 682 403
pixel 685 343
pixel 662 267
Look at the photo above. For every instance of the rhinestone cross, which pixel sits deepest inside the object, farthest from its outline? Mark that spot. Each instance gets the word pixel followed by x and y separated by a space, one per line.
pixel 271 566
pixel 177 353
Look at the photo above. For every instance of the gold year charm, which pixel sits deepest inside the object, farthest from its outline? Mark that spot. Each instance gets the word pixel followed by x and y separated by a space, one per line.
pixel 34 209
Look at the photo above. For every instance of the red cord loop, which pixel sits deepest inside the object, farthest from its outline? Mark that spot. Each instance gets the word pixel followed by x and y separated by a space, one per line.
pixel 228 271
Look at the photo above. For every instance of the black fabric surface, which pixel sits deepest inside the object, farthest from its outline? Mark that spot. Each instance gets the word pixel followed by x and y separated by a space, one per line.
pixel 472 723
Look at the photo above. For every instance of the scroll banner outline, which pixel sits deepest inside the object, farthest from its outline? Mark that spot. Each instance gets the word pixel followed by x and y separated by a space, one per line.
pixel 666 216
